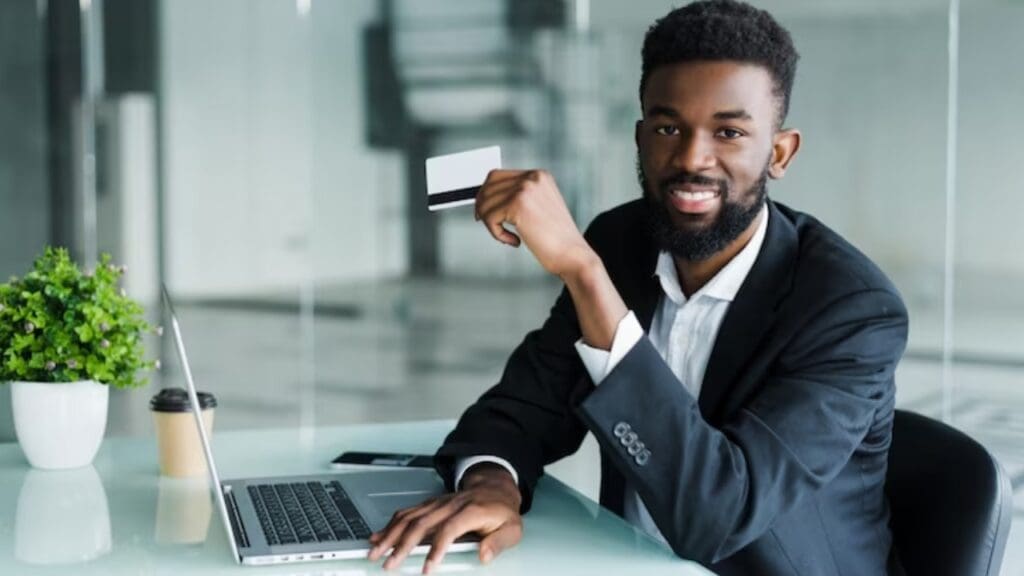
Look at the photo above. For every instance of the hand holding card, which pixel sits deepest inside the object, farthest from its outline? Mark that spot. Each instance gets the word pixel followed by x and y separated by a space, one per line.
pixel 530 201
pixel 527 199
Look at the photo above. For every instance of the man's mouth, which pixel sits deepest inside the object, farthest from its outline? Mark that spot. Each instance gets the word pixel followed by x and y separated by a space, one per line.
pixel 690 199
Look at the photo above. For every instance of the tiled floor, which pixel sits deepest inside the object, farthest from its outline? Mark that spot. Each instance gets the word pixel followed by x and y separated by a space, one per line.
pixel 425 350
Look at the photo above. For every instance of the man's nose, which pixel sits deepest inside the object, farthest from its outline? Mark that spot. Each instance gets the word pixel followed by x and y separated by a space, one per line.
pixel 694 154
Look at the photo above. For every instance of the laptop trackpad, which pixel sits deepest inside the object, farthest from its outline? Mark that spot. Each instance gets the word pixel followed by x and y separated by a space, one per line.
pixel 381 493
pixel 386 504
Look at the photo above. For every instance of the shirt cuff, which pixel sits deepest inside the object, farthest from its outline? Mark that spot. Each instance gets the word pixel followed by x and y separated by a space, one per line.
pixel 600 363
pixel 464 464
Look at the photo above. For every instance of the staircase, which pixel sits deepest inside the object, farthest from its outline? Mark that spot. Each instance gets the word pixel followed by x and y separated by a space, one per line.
pixel 461 74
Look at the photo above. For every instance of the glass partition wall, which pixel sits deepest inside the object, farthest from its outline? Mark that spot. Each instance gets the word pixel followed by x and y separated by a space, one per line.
pixel 985 346
pixel 265 159
pixel 237 135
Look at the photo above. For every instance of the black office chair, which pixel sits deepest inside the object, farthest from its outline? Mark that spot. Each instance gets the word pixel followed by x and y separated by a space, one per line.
pixel 951 502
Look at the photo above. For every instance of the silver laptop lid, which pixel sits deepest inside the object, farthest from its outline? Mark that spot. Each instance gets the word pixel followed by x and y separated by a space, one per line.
pixel 193 399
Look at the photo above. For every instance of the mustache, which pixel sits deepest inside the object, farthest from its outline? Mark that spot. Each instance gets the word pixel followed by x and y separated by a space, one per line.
pixel 695 179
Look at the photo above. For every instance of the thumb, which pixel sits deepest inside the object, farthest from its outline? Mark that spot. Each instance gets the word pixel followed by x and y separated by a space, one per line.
pixel 495 542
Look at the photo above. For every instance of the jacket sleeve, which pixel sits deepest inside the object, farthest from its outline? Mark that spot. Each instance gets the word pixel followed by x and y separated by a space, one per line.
pixel 527 419
pixel 711 491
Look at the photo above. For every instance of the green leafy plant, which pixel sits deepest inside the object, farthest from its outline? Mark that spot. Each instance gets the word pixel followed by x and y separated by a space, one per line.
pixel 58 324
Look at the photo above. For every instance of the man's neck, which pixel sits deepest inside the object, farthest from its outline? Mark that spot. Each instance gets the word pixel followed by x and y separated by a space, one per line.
pixel 693 275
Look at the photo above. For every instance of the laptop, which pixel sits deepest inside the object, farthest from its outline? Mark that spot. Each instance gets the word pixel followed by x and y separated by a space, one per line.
pixel 306 517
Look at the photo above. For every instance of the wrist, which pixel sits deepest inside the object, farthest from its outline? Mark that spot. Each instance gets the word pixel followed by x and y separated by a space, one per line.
pixel 599 307
pixel 584 266
pixel 491 475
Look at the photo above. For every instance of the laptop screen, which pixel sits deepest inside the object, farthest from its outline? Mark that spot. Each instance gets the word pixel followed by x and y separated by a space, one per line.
pixel 193 399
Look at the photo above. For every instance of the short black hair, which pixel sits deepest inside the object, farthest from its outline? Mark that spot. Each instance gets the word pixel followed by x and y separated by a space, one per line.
pixel 723 30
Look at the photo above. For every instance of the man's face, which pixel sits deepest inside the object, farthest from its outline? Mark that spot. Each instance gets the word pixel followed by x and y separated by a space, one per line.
pixel 704 150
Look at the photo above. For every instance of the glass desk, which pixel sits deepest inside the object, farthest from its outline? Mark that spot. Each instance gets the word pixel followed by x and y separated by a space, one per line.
pixel 119 516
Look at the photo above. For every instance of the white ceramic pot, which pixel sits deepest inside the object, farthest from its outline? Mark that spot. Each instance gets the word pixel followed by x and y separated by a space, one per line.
pixel 59 426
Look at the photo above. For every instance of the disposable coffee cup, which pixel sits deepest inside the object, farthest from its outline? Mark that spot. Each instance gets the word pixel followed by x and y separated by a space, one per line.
pixel 181 451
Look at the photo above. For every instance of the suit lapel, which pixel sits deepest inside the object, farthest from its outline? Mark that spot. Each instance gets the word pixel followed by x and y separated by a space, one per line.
pixel 751 313
pixel 648 295
pixel 641 291
pixel 749 317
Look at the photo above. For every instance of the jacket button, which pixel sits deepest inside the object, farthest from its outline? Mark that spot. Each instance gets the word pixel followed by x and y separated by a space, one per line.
pixel 620 429
pixel 628 439
pixel 635 448
pixel 642 457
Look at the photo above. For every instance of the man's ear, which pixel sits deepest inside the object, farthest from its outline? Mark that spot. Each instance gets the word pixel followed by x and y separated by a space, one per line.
pixel 636 132
pixel 784 148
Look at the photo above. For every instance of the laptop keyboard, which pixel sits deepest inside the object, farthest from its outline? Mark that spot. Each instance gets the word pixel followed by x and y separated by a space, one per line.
pixel 301 512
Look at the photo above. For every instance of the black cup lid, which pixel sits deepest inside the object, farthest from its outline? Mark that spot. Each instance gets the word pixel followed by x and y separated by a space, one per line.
pixel 176 400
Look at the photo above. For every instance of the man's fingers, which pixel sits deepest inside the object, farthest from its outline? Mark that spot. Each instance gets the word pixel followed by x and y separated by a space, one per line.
pixel 470 519
pixel 501 234
pixel 414 532
pixel 412 510
pixel 492 195
pixel 505 537
pixel 494 219
pixel 490 507
pixel 499 175
pixel 386 538
pixel 396 518
pixel 493 205
pixel 403 515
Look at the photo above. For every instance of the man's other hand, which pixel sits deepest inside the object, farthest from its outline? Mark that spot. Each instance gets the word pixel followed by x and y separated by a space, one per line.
pixel 487 504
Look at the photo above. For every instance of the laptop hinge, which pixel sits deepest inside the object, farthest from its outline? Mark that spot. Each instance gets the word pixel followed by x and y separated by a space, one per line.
pixel 236 521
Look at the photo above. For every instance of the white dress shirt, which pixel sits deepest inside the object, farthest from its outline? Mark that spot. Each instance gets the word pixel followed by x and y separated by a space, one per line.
pixel 683 331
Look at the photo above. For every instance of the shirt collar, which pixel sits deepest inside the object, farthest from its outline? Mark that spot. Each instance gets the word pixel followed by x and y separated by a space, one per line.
pixel 725 284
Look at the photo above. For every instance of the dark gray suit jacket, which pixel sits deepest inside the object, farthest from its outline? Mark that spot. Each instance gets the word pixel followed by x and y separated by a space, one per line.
pixel 778 467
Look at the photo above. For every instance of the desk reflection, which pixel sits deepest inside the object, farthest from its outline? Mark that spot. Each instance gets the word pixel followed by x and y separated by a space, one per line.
pixel 62 517
pixel 183 510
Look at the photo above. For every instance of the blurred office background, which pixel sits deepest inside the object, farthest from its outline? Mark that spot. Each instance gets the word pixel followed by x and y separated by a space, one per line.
pixel 264 158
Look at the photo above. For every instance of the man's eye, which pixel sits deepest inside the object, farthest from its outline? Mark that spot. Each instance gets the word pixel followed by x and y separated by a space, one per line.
pixel 667 130
pixel 729 133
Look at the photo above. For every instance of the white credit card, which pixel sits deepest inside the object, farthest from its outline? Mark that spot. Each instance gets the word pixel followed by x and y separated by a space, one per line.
pixel 454 179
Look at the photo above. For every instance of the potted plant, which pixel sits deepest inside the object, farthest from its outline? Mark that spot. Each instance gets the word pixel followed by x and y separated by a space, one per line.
pixel 65 337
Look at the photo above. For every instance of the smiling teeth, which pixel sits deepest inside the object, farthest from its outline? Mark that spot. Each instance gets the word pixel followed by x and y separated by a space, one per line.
pixel 695 196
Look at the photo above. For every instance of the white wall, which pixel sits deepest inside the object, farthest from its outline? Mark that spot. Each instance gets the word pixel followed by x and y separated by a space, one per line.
pixel 871 101
pixel 990 185
pixel 267 175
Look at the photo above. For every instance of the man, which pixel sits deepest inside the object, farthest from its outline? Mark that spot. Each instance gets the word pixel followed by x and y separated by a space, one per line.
pixel 733 357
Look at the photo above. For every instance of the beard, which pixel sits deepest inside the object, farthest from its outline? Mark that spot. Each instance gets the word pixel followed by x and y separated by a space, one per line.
pixel 700 244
